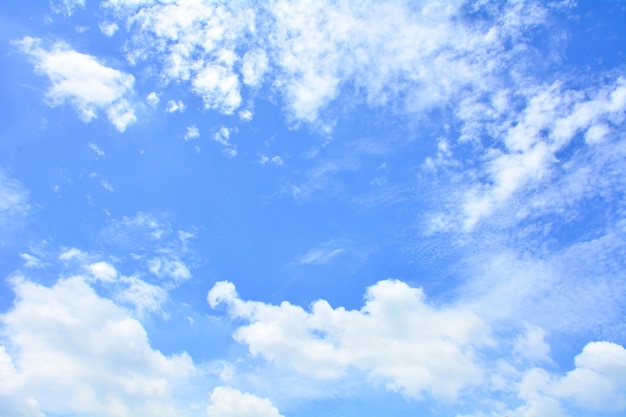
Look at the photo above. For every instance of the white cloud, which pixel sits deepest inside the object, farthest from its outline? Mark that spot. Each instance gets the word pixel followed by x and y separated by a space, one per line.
pixel 175 106
pixel 526 146
pixel 107 185
pixel 245 115
pixel 169 267
pixel 197 44
pixel 531 346
pixel 598 383
pixel 276 160
pixel 82 81
pixel 599 380
pixel 254 66
pixel 420 55
pixel 419 349
pixel 219 88
pixel 152 99
pixel 230 402
pixel 31 261
pixel 192 133
pixel 66 7
pixel 74 352
pixel 96 149
pixel 103 271
pixel 108 28
pixel 142 296
pixel 72 253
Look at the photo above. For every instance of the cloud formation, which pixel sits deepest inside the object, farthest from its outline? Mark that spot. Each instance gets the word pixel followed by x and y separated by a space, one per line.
pixel 74 352
pixel 80 80
pixel 395 337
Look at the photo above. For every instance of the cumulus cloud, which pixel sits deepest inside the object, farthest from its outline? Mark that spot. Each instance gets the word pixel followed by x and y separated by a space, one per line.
pixel 596 384
pixel 230 402
pixel 80 80
pixel 418 348
pixel 74 352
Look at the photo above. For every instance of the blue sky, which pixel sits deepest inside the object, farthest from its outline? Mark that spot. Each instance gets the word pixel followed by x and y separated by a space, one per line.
pixel 234 209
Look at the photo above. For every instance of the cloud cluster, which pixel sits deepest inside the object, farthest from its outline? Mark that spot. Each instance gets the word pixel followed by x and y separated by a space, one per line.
pixel 417 56
pixel 597 384
pixel 528 143
pixel 71 351
pixel 396 337
pixel 417 349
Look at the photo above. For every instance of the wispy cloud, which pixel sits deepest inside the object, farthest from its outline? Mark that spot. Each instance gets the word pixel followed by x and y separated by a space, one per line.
pixel 322 253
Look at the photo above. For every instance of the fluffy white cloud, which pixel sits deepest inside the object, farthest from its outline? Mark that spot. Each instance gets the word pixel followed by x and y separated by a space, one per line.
pixel 71 351
pixel 152 99
pixel 395 337
pixel 103 271
pixel 550 121
pixel 230 402
pixel 598 383
pixel 82 81
pixel 599 380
